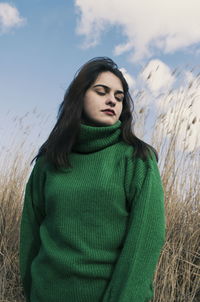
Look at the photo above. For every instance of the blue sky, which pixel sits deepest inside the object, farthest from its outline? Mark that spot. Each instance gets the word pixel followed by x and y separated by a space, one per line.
pixel 43 43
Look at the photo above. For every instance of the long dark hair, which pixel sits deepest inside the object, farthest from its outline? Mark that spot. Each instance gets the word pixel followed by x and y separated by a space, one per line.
pixel 63 136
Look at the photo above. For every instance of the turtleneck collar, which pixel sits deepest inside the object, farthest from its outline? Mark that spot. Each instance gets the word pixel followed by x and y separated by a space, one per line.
pixel 95 138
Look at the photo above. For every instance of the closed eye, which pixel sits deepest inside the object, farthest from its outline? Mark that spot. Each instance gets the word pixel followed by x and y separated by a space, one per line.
pixel 119 99
pixel 100 93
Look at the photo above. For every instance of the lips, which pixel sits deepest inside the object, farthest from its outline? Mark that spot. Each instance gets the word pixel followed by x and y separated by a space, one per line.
pixel 109 110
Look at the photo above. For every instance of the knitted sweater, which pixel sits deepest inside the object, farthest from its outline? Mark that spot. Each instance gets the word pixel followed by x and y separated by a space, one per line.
pixel 93 232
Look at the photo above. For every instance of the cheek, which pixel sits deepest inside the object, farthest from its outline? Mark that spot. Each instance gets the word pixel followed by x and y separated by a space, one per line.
pixel 120 109
pixel 91 101
pixel 88 104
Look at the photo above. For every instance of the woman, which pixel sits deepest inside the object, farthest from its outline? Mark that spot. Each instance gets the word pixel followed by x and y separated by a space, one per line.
pixel 93 221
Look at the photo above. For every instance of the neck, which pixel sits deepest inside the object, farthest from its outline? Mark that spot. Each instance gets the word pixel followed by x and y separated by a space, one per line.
pixel 95 138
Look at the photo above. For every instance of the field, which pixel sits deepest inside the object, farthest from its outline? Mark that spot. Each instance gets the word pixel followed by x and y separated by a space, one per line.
pixel 177 277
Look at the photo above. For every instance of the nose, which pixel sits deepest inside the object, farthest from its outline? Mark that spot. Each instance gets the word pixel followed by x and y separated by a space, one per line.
pixel 111 99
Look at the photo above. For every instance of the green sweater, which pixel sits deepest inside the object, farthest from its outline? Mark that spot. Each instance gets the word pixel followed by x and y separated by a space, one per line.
pixel 93 232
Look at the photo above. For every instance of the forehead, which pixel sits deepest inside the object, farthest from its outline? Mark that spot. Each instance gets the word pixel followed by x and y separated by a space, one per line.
pixel 109 79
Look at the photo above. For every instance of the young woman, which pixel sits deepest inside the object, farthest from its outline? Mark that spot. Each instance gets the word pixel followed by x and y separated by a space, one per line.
pixel 93 220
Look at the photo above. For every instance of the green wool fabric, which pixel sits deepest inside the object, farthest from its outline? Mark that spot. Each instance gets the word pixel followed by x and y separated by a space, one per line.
pixel 93 232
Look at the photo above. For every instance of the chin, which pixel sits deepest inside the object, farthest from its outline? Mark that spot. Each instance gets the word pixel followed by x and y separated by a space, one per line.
pixel 105 122
pixel 100 122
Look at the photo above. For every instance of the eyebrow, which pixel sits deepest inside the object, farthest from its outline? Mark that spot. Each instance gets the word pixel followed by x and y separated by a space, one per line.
pixel 108 88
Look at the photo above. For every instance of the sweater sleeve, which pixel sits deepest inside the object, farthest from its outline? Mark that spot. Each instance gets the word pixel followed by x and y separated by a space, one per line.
pixel 32 216
pixel 132 278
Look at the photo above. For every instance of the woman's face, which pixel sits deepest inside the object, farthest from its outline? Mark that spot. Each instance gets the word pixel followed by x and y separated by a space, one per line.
pixel 105 93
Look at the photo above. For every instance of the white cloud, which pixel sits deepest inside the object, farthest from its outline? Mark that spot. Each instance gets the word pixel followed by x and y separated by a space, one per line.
pixel 188 77
pixel 177 106
pixel 181 112
pixel 148 26
pixel 157 76
pixel 9 17
pixel 130 80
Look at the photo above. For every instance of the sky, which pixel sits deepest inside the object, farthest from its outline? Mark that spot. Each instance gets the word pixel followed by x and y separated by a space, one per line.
pixel 156 44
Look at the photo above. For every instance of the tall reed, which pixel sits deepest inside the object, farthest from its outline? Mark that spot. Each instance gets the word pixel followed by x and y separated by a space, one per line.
pixel 177 277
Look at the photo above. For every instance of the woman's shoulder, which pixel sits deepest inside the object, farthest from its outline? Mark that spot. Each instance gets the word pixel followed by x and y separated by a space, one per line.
pixel 138 169
pixel 40 161
pixel 41 165
pixel 137 166
pixel 130 153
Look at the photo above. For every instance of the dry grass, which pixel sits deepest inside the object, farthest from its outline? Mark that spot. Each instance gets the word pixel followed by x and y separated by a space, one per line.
pixel 12 184
pixel 177 278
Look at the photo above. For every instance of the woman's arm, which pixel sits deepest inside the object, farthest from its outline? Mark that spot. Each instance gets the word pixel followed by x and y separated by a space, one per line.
pixel 132 279
pixel 32 215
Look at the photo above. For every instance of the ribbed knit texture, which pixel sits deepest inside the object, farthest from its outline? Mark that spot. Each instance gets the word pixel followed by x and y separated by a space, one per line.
pixel 93 232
